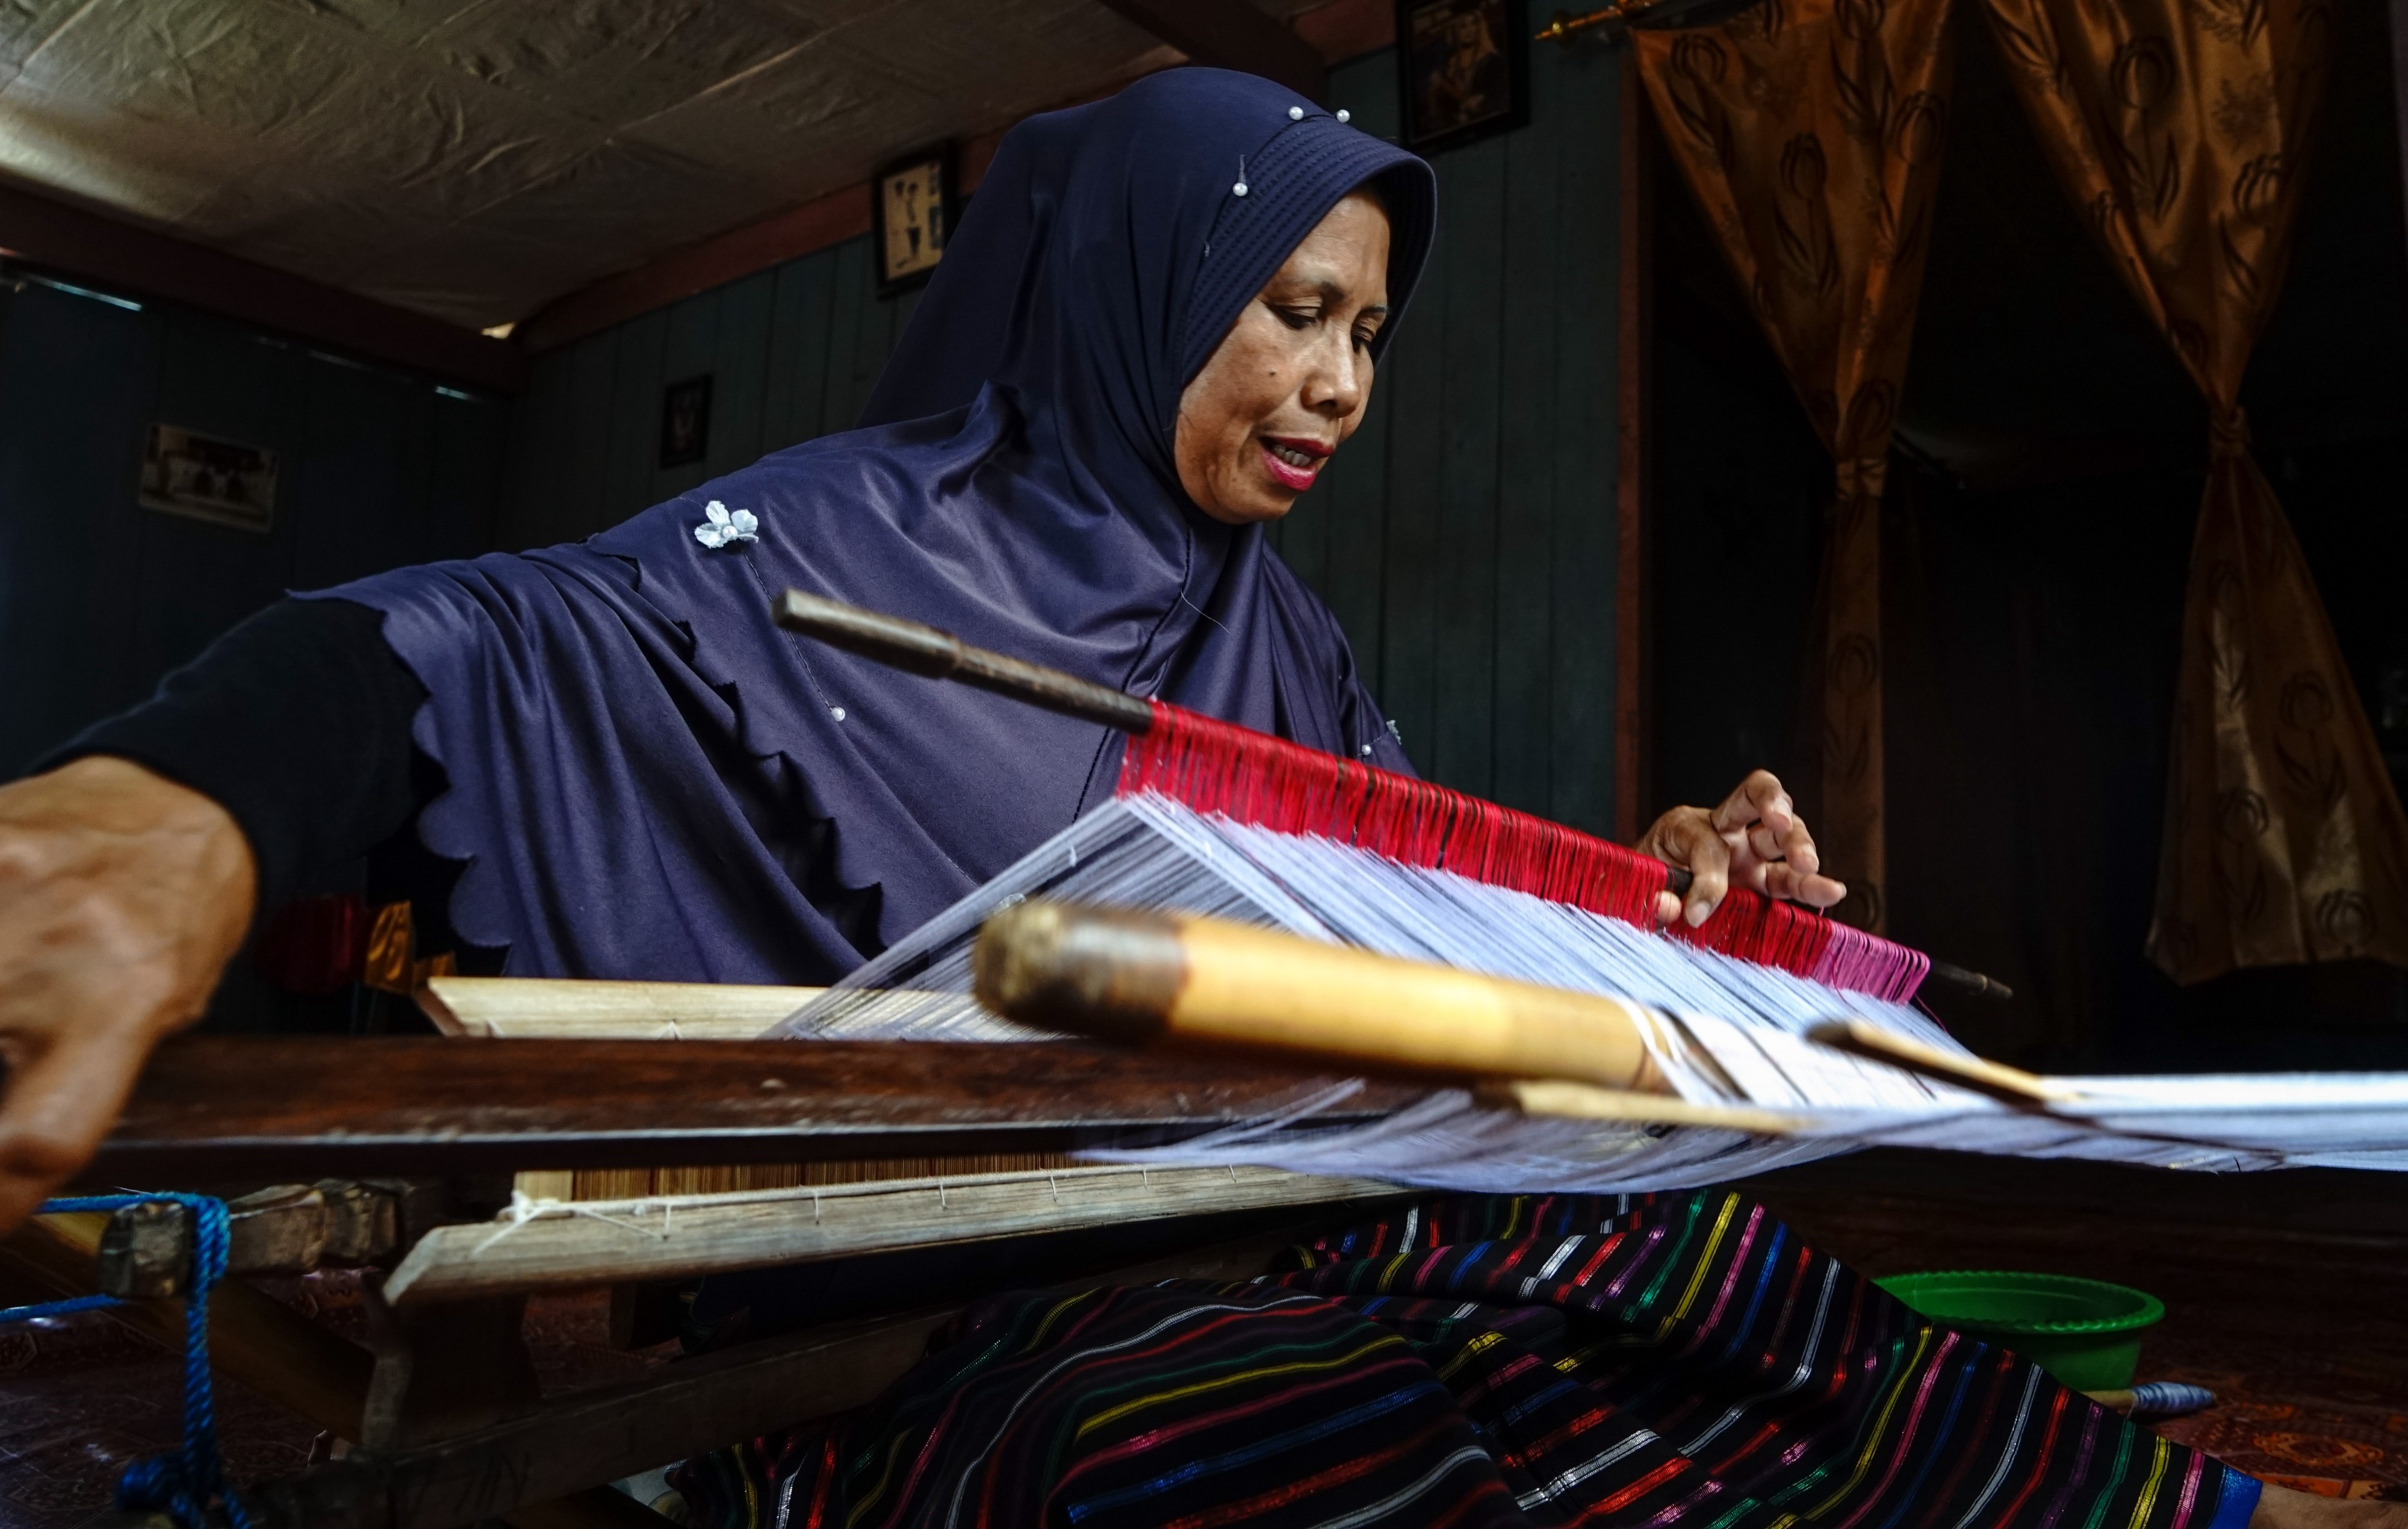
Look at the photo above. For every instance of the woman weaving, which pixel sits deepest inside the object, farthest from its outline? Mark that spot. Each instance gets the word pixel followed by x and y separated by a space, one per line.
pixel 1158 320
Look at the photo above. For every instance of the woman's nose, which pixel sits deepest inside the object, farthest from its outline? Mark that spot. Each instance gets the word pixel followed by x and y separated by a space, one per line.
pixel 1331 386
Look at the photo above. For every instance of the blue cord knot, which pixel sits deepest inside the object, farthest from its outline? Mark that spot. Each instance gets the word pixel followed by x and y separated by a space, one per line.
pixel 188 1485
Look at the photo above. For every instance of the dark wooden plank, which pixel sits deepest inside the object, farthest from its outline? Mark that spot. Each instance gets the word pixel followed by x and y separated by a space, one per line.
pixel 1302 536
pixel 586 468
pixel 355 482
pixel 76 377
pixel 542 445
pixel 798 342
pixel 465 493
pixel 635 442
pixel 877 339
pixel 849 304
pixel 739 372
pixel 1416 449
pixel 197 580
pixel 1463 731
pixel 229 1107
pixel 1232 34
pixel 2397 17
pixel 1529 435
pixel 690 349
pixel 1582 786
pixel 1356 509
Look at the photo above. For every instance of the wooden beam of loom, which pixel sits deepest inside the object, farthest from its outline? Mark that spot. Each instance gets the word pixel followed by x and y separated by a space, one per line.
pixel 555 1008
pixel 672 1237
pixel 217 1107
pixel 253 1337
pixel 1231 34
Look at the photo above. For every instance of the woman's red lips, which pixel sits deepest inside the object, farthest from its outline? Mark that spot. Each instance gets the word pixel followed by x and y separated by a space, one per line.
pixel 1294 462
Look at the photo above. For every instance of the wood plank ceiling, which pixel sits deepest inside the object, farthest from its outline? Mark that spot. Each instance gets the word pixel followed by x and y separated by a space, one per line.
pixel 471 159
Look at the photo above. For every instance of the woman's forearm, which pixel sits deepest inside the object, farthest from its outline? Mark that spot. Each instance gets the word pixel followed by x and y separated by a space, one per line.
pixel 297 723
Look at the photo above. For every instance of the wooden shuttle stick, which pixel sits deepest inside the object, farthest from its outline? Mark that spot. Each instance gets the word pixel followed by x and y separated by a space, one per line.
pixel 1138 977
pixel 1555 1099
pixel 1859 1037
pixel 919 648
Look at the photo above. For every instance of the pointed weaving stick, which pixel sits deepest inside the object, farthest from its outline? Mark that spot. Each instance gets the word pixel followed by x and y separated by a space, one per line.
pixel 1555 1099
pixel 1861 1037
pixel 917 648
pixel 1138 979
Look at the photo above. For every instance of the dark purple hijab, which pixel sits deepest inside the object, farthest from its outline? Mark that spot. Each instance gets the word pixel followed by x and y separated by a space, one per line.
pixel 648 779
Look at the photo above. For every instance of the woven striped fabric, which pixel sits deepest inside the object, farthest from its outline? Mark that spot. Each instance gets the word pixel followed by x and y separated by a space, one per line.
pixel 1681 1359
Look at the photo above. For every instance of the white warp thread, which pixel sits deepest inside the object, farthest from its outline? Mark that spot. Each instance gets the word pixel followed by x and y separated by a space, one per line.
pixel 1737 1033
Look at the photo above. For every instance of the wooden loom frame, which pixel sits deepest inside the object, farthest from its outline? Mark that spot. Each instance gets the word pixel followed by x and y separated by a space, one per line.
pixel 446 1421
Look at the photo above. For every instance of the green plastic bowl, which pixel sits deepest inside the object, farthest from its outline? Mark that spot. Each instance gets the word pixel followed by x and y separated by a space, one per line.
pixel 2084 1331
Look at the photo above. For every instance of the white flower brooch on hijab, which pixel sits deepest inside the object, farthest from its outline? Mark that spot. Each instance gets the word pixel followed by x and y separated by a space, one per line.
pixel 721 529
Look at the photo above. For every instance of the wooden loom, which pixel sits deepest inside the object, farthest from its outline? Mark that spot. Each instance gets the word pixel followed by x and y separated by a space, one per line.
pixel 567 1086
pixel 449 1424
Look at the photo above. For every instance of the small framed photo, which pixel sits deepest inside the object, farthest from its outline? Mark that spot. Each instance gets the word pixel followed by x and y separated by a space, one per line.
pixel 685 422
pixel 203 478
pixel 1466 69
pixel 911 213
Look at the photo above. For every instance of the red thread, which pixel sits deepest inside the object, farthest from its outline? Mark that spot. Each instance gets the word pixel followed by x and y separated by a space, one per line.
pixel 1270 782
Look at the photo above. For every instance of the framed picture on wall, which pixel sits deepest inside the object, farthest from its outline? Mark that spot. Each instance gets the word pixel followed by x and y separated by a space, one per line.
pixel 1466 69
pixel 911 209
pixel 203 478
pixel 685 422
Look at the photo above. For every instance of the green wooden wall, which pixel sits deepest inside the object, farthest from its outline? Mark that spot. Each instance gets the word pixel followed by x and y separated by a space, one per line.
pixel 791 352
pixel 99 597
pixel 1465 537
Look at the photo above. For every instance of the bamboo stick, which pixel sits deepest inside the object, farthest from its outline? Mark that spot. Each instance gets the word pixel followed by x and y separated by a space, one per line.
pixel 1140 977
pixel 1556 1098
pixel 1861 1037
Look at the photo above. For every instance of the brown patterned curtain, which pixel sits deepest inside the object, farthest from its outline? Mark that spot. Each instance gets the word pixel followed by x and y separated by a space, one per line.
pixel 2181 129
pixel 1811 132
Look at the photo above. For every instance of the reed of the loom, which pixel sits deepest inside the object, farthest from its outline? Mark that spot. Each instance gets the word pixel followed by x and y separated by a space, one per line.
pixel 1140 978
pixel 916 648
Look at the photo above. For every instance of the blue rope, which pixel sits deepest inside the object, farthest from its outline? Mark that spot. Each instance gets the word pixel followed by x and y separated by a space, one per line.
pixel 190 1485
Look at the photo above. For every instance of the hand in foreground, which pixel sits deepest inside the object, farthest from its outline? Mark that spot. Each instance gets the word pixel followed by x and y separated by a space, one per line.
pixel 122 895
pixel 1754 839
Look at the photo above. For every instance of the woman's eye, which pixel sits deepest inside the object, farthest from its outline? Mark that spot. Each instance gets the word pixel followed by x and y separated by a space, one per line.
pixel 1297 318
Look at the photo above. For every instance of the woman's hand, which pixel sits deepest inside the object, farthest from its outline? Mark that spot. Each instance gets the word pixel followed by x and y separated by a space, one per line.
pixel 122 895
pixel 1755 841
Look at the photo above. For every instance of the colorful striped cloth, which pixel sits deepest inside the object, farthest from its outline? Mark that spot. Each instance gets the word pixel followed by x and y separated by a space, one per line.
pixel 1679 1359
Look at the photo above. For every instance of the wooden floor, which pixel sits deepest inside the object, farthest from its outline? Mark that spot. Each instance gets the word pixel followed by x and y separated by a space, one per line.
pixel 2287 1294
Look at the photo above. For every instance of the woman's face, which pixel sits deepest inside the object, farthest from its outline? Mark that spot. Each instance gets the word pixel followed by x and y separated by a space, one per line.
pixel 1290 378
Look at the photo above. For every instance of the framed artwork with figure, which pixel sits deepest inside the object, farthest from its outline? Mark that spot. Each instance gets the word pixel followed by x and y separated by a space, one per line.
pixel 911 209
pixel 1466 69
pixel 685 422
